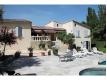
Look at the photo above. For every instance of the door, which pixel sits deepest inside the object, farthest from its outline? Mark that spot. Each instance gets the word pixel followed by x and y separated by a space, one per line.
pixel 53 37
pixel 87 44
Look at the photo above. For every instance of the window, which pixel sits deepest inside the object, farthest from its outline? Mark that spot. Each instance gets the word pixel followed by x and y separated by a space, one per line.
pixel 75 24
pixel 78 33
pixel 57 25
pixel 85 34
pixel 18 31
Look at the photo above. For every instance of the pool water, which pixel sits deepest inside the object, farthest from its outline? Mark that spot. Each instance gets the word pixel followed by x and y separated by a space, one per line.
pixel 93 71
pixel 102 63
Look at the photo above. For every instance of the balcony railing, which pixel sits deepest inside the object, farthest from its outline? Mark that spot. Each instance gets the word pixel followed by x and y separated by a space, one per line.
pixel 40 38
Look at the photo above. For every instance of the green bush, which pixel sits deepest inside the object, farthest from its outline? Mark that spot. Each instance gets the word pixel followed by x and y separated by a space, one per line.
pixel 101 45
pixel 49 52
pixel 78 48
pixel 30 54
pixel 42 45
pixel 50 44
pixel 55 51
pixel 17 54
pixel 30 51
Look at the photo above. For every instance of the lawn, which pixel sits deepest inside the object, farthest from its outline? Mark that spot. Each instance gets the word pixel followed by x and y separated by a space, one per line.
pixel 101 45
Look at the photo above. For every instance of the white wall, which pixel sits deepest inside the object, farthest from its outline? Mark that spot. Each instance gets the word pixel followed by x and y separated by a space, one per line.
pixel 22 44
pixel 68 26
pixel 54 24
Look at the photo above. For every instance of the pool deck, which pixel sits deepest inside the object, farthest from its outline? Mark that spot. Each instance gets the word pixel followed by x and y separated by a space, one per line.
pixel 50 65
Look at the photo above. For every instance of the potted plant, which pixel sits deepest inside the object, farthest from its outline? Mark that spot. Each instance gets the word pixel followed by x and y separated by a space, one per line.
pixel 55 51
pixel 49 52
pixel 30 51
pixel 17 54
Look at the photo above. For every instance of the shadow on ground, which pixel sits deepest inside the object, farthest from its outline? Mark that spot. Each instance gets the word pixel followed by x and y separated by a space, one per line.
pixel 25 61
pixel 12 63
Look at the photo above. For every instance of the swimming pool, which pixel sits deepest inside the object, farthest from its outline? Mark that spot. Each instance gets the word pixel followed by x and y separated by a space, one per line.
pixel 93 72
pixel 102 63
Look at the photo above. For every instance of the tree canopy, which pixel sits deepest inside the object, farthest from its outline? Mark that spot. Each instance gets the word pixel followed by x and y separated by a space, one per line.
pixel 6 37
pixel 97 22
pixel 66 38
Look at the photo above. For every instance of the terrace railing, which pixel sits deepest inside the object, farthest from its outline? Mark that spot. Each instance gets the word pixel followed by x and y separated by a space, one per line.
pixel 41 38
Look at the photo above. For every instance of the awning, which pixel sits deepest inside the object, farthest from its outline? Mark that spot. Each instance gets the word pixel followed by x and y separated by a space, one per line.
pixel 49 31
pixel 38 31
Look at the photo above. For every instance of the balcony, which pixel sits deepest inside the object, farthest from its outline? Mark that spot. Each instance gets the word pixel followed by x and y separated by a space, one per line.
pixel 41 38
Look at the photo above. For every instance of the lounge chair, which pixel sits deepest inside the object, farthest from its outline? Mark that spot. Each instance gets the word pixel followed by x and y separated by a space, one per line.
pixel 67 57
pixel 94 50
pixel 78 54
pixel 84 50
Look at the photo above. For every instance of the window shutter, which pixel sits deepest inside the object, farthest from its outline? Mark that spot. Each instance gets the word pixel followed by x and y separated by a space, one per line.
pixel 19 31
pixel 16 31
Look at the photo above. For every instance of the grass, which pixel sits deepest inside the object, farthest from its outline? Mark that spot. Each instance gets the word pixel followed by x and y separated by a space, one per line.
pixel 101 45
pixel 102 49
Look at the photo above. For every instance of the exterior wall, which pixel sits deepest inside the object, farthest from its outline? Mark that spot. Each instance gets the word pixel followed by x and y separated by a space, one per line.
pixel 84 34
pixel 54 24
pixel 50 24
pixel 68 26
pixel 25 42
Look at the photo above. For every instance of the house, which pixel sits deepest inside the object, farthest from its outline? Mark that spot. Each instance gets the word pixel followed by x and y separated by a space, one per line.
pixel 22 30
pixel 31 36
pixel 45 34
pixel 80 31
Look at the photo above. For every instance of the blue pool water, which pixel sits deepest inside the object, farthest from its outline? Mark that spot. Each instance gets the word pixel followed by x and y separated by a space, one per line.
pixel 102 63
pixel 93 72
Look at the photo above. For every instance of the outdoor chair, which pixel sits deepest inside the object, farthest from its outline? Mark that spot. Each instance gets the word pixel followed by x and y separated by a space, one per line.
pixel 84 50
pixel 77 54
pixel 67 57
pixel 94 50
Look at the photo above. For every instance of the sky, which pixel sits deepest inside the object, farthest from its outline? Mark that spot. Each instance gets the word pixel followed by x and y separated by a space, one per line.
pixel 42 14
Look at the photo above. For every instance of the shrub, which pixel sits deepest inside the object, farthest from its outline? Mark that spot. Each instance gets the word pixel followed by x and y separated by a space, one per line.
pixel 49 52
pixel 78 48
pixel 17 54
pixel 50 44
pixel 30 51
pixel 42 45
pixel 0 53
pixel 30 54
pixel 55 51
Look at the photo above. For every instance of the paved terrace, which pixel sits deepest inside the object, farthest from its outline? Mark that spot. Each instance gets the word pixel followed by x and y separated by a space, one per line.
pixel 50 65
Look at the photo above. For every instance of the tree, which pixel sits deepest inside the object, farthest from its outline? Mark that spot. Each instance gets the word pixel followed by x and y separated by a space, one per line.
pixel 61 35
pixel 97 22
pixel 70 40
pixel 7 37
pixel 92 20
pixel 66 38
pixel 1 12
pixel 102 21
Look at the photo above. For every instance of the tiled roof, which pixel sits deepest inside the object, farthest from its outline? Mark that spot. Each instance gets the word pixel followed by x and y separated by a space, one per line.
pixel 84 25
pixel 46 28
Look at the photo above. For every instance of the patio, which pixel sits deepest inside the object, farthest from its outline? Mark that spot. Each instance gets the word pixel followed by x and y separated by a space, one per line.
pixel 50 65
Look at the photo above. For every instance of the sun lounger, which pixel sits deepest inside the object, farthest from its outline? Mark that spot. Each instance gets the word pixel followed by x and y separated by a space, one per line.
pixel 94 50
pixel 77 54
pixel 67 57
pixel 84 50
